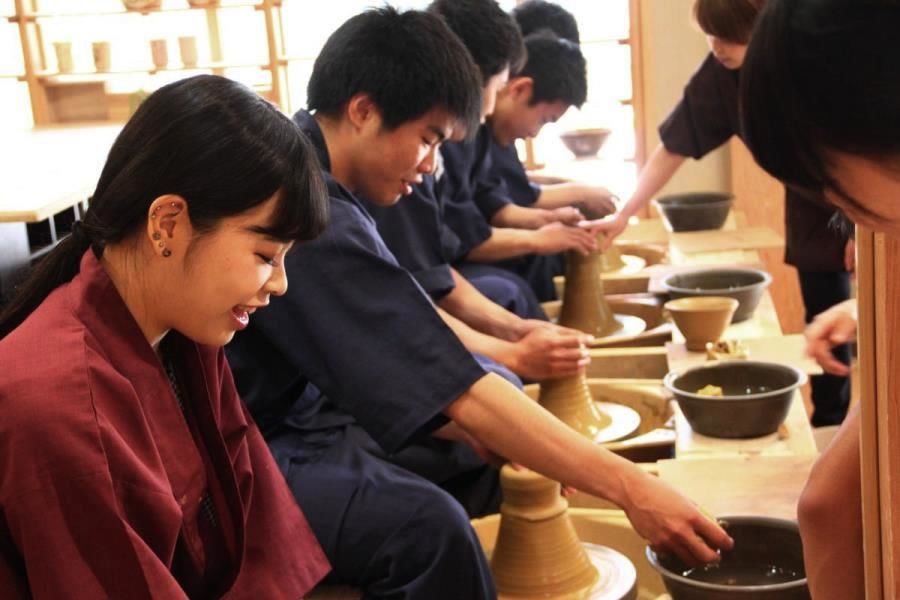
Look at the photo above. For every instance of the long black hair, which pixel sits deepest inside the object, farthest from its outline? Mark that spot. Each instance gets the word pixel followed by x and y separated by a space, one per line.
pixel 208 139
pixel 821 76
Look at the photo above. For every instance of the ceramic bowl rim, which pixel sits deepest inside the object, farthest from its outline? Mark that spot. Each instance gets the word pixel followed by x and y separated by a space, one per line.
pixel 669 380
pixel 732 302
pixel 585 131
pixel 653 559
pixel 765 283
pixel 669 201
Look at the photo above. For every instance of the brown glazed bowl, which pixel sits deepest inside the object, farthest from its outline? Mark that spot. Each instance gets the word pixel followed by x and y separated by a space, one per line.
pixel 695 211
pixel 765 564
pixel 756 397
pixel 744 285
pixel 701 319
pixel 585 142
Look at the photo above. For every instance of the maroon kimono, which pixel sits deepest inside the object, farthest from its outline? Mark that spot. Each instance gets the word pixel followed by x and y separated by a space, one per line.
pixel 103 477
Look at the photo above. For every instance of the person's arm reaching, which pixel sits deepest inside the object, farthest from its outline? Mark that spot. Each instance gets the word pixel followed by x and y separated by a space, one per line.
pixel 523 217
pixel 596 201
pixel 542 353
pixel 655 174
pixel 510 424
pixel 550 239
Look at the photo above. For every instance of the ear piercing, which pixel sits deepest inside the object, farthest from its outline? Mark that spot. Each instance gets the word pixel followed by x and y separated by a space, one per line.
pixel 153 214
pixel 157 237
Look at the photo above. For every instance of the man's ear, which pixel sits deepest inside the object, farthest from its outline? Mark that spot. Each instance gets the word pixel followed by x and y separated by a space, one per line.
pixel 520 88
pixel 362 111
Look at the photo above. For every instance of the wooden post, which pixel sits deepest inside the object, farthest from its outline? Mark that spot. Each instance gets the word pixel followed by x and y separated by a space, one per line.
pixel 32 59
pixel 879 347
pixel 865 269
pixel 215 39
pixel 637 82
pixel 274 66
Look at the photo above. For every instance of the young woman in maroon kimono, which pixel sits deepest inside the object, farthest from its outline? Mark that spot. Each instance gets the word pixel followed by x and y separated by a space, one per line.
pixel 820 97
pixel 129 467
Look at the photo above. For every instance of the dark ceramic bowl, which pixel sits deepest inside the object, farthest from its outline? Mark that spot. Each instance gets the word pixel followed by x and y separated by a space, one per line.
pixel 766 564
pixel 744 285
pixel 695 211
pixel 585 142
pixel 756 397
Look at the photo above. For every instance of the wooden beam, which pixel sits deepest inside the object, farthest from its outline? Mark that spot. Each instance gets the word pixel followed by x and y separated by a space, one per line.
pixel 865 269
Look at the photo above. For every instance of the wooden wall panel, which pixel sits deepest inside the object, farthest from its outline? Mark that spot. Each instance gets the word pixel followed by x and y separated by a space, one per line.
pixel 761 199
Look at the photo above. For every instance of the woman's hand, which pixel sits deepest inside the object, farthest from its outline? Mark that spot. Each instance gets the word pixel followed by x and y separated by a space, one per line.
pixel 834 327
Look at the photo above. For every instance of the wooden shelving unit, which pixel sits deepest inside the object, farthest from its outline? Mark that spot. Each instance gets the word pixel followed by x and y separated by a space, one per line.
pixel 85 96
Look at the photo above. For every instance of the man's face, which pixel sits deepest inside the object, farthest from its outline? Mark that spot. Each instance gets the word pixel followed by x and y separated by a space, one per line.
pixel 389 162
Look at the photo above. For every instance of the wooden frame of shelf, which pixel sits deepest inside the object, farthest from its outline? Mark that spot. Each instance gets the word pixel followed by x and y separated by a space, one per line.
pixel 636 101
pixel 82 95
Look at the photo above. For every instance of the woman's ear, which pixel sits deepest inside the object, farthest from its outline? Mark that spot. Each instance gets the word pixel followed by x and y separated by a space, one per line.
pixel 169 227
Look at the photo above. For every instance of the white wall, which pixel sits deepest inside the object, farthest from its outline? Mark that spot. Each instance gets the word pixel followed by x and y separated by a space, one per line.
pixel 673 47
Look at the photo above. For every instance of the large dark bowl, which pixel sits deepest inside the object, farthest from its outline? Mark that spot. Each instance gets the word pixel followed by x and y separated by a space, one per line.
pixel 756 397
pixel 766 564
pixel 744 285
pixel 695 211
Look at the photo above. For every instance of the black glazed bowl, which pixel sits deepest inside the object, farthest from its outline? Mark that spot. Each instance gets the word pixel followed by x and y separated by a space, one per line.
pixel 765 564
pixel 695 211
pixel 744 285
pixel 756 397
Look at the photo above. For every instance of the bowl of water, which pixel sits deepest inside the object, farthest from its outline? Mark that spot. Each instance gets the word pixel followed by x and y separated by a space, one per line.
pixel 765 564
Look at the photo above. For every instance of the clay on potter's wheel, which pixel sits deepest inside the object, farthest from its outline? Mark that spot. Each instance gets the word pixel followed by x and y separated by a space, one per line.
pixel 584 305
pixel 570 401
pixel 610 259
pixel 538 554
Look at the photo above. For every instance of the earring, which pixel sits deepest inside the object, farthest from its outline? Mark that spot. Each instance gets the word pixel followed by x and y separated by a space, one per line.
pixel 156 235
pixel 166 252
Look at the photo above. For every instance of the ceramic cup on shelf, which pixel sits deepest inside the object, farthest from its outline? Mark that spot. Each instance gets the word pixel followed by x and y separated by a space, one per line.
pixel 187 47
pixel 64 61
pixel 159 50
pixel 142 5
pixel 101 51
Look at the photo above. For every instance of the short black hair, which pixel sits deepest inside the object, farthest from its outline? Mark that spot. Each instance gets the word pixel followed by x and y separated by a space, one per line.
pixel 730 20
pixel 557 67
pixel 408 62
pixel 821 76
pixel 491 36
pixel 533 15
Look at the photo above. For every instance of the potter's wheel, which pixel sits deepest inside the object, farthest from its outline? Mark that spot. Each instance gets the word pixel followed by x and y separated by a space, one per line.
pixel 633 264
pixel 624 422
pixel 617 581
pixel 629 326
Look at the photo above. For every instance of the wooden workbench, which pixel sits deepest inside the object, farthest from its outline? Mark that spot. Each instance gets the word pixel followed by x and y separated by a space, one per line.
pixel 48 175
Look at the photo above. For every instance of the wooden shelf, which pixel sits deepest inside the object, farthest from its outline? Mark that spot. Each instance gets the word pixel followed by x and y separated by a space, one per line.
pixel 118 13
pixel 54 77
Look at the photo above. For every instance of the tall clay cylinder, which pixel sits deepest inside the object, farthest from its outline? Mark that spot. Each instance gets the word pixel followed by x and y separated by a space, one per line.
pixel 538 554
pixel 570 400
pixel 584 306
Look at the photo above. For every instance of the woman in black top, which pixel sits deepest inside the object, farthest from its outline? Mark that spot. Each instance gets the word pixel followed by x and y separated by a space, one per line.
pixel 707 117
